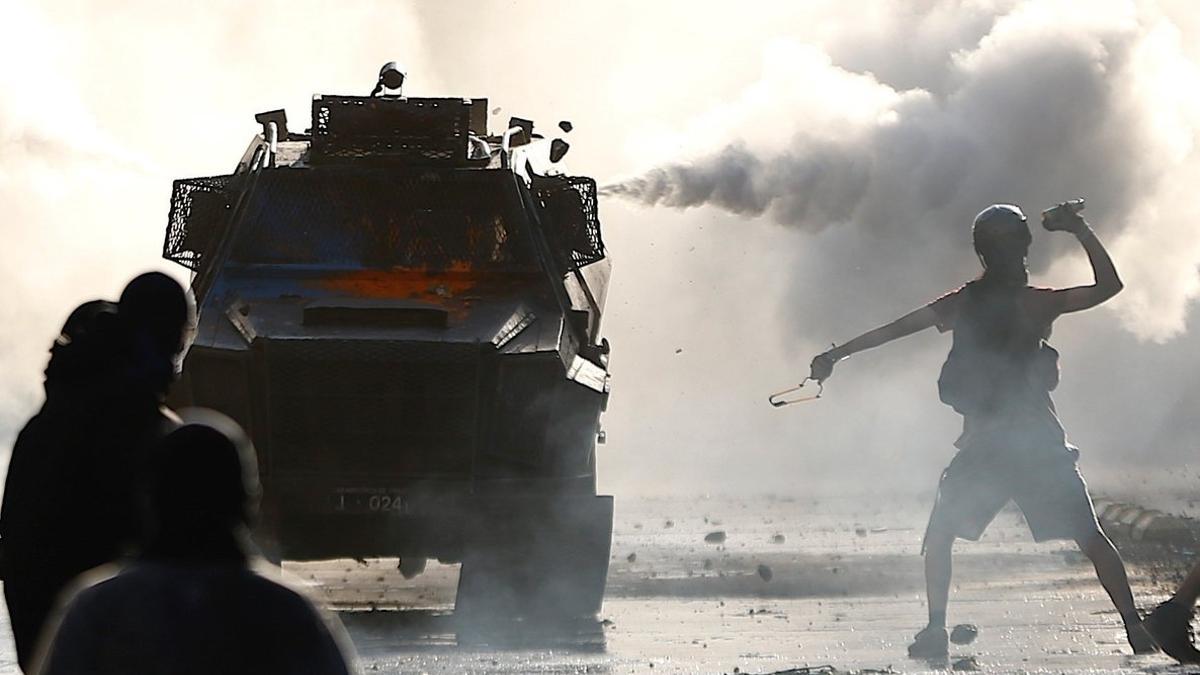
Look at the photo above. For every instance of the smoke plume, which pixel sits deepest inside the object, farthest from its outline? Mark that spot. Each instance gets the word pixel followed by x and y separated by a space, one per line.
pixel 1027 102
pixel 872 131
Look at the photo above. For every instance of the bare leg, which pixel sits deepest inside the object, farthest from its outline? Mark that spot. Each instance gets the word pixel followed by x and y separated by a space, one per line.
pixel 938 570
pixel 1110 569
pixel 932 641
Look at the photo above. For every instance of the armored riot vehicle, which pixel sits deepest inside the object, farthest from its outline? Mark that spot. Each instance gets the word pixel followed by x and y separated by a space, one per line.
pixel 405 316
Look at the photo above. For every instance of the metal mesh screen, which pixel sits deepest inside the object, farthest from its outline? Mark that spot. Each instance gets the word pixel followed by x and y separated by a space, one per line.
pixel 570 208
pixel 367 406
pixel 199 210
pixel 356 218
pixel 362 128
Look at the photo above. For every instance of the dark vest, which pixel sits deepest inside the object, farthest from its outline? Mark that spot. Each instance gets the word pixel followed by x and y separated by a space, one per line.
pixel 999 353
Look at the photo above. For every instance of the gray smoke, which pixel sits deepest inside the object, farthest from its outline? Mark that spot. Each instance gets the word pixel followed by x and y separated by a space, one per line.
pixel 1036 104
pixel 901 119
pixel 106 103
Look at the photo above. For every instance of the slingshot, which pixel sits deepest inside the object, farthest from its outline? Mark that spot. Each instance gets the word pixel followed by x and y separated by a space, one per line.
pixel 782 398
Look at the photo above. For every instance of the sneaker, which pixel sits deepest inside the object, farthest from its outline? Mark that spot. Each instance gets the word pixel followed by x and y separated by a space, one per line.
pixel 1140 639
pixel 1170 625
pixel 931 643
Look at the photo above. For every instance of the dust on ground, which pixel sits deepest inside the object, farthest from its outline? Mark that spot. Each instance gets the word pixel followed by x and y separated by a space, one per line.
pixel 843 588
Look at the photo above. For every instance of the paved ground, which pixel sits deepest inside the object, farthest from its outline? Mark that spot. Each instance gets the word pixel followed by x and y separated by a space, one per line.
pixel 844 590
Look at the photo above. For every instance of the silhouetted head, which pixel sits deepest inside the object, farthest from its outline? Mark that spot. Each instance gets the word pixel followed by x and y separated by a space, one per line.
pixel 88 355
pixel 83 321
pixel 1002 238
pixel 155 306
pixel 204 487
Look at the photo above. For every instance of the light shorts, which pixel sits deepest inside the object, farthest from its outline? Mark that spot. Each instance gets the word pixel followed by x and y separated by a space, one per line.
pixel 1046 486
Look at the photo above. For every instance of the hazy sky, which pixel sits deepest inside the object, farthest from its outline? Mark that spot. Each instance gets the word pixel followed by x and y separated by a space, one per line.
pixel 824 160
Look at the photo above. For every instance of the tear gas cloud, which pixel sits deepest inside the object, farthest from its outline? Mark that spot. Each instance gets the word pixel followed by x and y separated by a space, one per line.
pixel 875 143
pixel 821 185
pixel 1044 103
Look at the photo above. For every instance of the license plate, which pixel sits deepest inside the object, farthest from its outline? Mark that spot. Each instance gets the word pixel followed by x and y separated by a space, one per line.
pixel 369 500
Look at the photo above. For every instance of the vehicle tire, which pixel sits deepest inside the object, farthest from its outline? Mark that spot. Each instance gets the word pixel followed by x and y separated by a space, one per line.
pixel 548 559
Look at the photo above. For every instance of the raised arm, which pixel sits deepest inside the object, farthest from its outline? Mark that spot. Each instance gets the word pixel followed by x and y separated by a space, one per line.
pixel 914 321
pixel 1107 283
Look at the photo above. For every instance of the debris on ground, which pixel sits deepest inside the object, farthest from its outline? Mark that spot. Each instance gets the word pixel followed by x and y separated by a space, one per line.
pixel 778 539
pixel 765 572
pixel 807 670
pixel 708 563
pixel 669 524
pixel 716 537
pixel 860 531
pixel 966 663
pixel 830 670
pixel 632 557
pixel 964 633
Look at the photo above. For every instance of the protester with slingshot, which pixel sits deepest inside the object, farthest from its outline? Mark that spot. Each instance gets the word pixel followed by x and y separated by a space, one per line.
pixel 998 376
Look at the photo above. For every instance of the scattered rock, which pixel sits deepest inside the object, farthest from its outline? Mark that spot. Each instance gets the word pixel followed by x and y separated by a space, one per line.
pixel 778 539
pixel 632 557
pixel 717 537
pixel 966 663
pixel 679 350
pixel 860 531
pixel 964 634
pixel 765 572
pixel 669 524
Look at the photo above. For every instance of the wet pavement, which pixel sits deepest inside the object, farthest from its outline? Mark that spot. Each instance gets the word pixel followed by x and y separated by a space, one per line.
pixel 794 583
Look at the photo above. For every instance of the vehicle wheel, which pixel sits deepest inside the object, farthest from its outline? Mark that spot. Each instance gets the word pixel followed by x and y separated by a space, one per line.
pixel 544 562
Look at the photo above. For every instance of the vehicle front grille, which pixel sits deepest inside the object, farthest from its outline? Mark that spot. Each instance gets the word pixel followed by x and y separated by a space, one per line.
pixel 371 407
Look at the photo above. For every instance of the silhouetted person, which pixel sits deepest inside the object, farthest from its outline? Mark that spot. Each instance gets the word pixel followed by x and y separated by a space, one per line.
pixel 999 375
pixel 190 603
pixel 1170 624
pixel 71 493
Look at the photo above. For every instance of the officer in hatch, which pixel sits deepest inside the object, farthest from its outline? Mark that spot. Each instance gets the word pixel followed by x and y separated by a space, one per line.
pixel 998 376
pixel 71 493
pixel 190 602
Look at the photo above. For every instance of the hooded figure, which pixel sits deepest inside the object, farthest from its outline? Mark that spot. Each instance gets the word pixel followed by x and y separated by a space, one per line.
pixel 190 603
pixel 71 496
